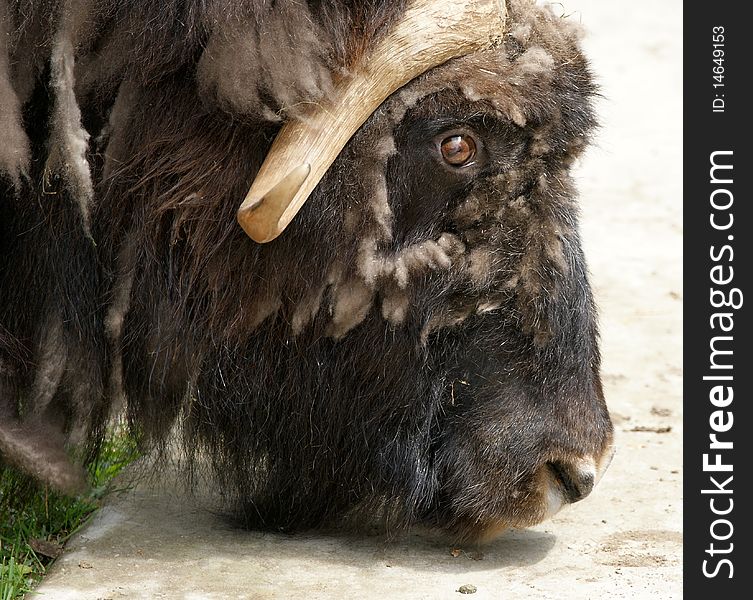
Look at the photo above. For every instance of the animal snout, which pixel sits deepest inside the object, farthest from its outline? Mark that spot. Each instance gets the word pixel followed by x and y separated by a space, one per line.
pixel 572 479
pixel 575 479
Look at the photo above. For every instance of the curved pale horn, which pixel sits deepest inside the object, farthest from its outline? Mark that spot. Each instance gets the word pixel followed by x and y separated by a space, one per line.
pixel 430 33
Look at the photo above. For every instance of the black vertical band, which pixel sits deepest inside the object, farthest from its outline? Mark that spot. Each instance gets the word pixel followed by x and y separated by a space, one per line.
pixel 718 297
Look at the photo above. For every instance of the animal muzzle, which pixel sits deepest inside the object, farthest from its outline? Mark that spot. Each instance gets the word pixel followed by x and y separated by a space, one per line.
pixel 570 480
pixel 574 481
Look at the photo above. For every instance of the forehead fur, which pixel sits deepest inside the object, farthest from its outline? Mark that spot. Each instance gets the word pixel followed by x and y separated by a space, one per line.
pixel 531 76
pixel 243 70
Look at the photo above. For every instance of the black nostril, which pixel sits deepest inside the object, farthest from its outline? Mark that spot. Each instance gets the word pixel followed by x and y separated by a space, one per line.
pixel 576 483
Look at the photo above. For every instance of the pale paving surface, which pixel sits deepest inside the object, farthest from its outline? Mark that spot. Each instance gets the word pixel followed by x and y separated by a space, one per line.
pixel 625 540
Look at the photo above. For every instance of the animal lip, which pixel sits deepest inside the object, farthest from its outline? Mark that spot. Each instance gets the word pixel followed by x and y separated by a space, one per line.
pixel 575 481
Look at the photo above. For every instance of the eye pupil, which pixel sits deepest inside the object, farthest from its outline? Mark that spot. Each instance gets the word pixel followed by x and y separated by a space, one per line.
pixel 458 150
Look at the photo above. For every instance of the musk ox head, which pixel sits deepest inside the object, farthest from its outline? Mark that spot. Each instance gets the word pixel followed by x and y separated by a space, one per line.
pixel 420 339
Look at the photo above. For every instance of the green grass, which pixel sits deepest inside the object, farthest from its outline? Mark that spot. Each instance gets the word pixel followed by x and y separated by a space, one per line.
pixel 31 515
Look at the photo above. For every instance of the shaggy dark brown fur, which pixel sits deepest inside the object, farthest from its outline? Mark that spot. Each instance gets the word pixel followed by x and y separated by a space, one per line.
pixel 420 342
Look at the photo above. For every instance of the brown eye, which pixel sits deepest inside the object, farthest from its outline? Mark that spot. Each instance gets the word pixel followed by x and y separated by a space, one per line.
pixel 458 150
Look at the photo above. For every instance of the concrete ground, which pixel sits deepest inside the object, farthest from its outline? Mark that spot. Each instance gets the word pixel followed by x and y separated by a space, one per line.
pixel 625 541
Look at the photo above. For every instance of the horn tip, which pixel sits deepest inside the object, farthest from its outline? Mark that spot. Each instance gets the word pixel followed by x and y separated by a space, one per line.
pixel 264 216
pixel 261 233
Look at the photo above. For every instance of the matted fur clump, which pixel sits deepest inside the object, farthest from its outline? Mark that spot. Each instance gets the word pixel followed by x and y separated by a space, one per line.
pixel 420 343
